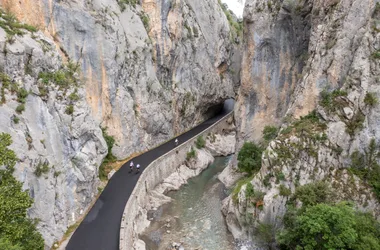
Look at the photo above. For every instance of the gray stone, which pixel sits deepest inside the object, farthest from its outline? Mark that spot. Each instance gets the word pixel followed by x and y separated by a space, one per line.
pixel 130 85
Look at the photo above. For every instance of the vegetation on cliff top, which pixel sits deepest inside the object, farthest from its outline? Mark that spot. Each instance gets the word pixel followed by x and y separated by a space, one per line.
pixel 17 232
pixel 235 24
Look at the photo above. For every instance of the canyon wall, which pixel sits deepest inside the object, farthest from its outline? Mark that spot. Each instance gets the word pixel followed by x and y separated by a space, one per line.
pixel 301 56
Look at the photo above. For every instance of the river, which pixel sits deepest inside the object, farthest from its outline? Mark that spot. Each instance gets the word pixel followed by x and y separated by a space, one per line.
pixel 194 217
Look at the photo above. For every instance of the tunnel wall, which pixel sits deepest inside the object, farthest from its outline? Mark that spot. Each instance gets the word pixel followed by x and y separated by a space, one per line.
pixel 153 175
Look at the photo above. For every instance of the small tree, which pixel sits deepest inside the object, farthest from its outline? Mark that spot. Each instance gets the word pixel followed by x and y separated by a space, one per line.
pixel 370 99
pixel 249 158
pixel 17 231
pixel 191 154
pixel 270 133
pixel 200 142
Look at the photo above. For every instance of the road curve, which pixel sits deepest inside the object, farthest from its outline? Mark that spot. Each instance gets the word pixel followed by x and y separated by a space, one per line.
pixel 101 227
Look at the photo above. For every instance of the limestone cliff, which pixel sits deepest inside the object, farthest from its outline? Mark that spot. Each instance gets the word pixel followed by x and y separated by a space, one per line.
pixel 146 70
pixel 59 144
pixel 302 56
pixel 151 70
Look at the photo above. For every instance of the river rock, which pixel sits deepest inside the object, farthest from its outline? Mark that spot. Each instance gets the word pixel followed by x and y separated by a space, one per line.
pixel 221 145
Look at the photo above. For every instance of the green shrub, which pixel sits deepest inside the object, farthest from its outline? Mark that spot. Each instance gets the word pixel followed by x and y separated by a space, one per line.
pixel 105 168
pixel 249 158
pixel 269 3
pixel 236 26
pixel 191 154
pixel 20 108
pixel 326 226
pixel 74 96
pixel 355 124
pixel 64 77
pixel 266 180
pixel 279 177
pixel 238 187
pixel 330 101
pixel 309 125
pixel 12 26
pixel 370 99
pixel 313 193
pixel 249 191
pixel 41 168
pixel 270 133
pixel 266 234
pixel 376 54
pixel 258 197
pixel 284 191
pixel 287 130
pixel 103 172
pixel 200 142
pixel 145 20
pixel 122 3
pixel 16 120
pixel 17 231
pixel 365 166
pixel 21 95
pixel 69 109
pixel 43 90
pixel 5 83
pixel 110 140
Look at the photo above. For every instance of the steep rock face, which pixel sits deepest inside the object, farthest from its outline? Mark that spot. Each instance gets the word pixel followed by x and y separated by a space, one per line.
pixel 275 46
pixel 143 88
pixel 343 56
pixel 59 152
pixel 120 61
pixel 192 50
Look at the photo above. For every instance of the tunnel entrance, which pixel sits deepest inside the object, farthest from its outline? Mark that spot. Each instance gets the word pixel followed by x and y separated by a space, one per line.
pixel 213 111
pixel 219 109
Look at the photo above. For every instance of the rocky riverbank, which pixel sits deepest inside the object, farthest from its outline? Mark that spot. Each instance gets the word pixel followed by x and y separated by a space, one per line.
pixel 216 145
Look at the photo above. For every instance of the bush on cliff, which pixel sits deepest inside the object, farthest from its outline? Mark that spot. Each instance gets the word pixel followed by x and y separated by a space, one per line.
pixel 17 232
pixel 249 158
pixel 200 142
pixel 105 168
pixel 326 226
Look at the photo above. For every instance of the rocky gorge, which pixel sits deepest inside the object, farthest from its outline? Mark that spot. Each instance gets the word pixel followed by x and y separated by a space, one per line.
pixel 77 67
pixel 78 74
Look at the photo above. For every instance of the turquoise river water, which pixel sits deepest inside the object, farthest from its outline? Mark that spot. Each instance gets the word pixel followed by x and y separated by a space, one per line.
pixel 194 218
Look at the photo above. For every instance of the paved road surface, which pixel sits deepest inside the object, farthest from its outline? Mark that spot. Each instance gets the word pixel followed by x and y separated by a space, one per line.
pixel 100 228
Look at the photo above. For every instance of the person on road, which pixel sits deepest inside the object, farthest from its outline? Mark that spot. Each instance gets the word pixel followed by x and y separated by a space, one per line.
pixel 176 141
pixel 131 166
pixel 137 168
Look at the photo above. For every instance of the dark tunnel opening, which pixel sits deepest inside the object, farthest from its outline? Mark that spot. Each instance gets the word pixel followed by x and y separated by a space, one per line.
pixel 220 109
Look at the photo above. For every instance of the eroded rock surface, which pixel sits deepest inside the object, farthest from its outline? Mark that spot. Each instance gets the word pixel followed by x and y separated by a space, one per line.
pixel 147 72
pixel 326 62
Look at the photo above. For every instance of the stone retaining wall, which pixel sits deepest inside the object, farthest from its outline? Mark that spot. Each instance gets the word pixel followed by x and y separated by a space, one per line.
pixel 153 175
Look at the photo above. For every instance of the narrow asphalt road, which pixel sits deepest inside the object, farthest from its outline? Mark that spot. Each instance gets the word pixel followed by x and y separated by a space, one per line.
pixel 100 228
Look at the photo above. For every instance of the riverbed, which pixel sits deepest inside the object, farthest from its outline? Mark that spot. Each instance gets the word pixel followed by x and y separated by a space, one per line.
pixel 194 218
